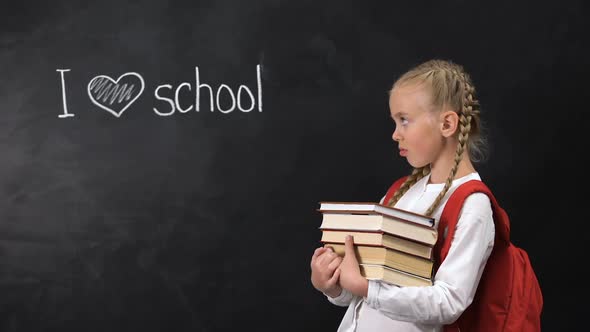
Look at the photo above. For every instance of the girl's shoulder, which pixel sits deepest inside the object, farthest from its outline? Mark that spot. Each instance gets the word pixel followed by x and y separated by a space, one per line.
pixel 476 203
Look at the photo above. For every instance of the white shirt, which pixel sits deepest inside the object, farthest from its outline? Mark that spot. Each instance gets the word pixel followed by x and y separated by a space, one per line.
pixel 391 308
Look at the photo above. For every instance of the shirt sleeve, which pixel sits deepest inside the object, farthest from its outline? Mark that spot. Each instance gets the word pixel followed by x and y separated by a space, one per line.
pixel 455 281
pixel 342 300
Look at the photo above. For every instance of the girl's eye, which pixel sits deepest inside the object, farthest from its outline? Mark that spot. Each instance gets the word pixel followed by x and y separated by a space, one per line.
pixel 404 121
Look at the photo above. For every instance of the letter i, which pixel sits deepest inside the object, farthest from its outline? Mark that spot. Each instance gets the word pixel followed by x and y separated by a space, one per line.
pixel 63 94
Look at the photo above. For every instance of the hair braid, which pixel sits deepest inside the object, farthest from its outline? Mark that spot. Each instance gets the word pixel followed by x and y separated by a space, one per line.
pixel 464 128
pixel 416 175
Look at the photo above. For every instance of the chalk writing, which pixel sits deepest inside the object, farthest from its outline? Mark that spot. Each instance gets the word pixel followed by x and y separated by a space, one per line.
pixel 63 94
pixel 116 96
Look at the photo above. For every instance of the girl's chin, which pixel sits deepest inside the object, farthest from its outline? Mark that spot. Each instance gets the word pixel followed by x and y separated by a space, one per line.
pixel 417 165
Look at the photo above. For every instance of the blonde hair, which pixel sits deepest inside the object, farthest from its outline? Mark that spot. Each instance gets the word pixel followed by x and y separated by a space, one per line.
pixel 450 86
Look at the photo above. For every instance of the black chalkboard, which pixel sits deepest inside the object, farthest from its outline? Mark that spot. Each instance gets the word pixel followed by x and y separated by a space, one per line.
pixel 162 161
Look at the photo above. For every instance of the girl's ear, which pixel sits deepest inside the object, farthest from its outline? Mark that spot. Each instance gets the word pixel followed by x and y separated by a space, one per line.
pixel 449 121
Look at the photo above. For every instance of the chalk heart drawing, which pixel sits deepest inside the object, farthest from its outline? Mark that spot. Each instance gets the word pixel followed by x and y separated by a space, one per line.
pixel 115 96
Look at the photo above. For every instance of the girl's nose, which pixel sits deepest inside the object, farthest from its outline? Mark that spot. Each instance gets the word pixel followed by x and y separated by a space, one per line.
pixel 395 136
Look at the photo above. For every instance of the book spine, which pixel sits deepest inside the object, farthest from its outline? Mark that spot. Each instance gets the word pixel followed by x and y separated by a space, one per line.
pixel 429 257
pixel 377 232
pixel 375 213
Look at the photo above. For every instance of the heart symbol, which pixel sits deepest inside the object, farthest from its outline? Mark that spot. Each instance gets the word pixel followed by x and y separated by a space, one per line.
pixel 115 96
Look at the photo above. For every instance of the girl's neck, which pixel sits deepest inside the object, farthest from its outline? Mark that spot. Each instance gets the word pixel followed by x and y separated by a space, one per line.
pixel 440 172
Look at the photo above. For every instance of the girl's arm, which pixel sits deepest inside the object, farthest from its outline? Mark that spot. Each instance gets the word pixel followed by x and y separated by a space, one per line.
pixel 345 296
pixel 456 280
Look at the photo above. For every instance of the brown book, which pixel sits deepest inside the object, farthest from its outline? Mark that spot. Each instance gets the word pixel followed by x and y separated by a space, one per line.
pixel 391 258
pixel 372 207
pixel 380 223
pixel 379 239
pixel 393 276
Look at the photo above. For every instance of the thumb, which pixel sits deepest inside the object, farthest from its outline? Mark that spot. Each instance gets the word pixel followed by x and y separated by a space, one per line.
pixel 349 246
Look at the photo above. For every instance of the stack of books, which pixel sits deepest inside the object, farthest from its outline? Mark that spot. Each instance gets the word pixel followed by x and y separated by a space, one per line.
pixel 391 244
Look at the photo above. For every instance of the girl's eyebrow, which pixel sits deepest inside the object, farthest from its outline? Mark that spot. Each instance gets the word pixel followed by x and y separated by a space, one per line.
pixel 398 114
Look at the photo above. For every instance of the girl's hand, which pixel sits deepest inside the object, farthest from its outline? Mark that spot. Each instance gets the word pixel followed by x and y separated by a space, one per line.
pixel 350 272
pixel 324 273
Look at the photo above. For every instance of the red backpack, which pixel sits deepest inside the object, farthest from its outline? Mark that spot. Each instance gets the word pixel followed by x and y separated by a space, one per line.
pixel 508 297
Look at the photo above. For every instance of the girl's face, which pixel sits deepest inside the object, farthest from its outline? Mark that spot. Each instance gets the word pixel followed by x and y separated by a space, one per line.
pixel 417 129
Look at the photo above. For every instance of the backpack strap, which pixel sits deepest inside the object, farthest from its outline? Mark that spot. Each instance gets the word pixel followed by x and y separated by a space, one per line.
pixel 394 187
pixel 448 223
pixel 450 216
